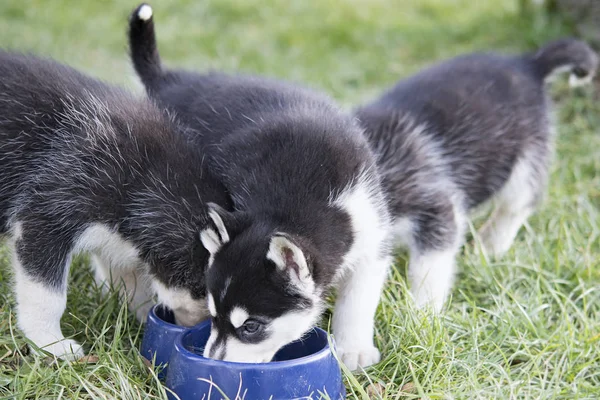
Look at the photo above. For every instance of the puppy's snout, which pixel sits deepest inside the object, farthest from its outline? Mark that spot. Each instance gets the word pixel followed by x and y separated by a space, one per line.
pixel 185 318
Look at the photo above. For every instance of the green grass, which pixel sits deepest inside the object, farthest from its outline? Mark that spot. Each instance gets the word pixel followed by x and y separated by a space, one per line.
pixel 525 326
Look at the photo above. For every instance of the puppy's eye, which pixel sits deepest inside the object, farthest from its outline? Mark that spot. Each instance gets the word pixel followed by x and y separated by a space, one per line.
pixel 252 327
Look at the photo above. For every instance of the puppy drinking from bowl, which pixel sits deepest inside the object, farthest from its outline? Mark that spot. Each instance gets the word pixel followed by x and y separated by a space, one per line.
pixel 309 214
pixel 86 166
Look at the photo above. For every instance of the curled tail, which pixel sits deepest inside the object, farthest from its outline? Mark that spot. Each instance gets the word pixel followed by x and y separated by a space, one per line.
pixel 142 47
pixel 566 55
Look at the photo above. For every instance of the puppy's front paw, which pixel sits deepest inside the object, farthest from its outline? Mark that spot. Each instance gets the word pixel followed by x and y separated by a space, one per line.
pixel 494 242
pixel 494 246
pixel 65 349
pixel 425 300
pixel 357 357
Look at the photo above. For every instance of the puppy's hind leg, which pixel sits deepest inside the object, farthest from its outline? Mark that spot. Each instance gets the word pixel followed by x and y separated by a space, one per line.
pixel 437 237
pixel 514 204
pixel 40 271
pixel 131 285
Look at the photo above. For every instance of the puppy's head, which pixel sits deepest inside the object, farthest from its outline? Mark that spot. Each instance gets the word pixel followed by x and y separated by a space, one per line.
pixel 261 291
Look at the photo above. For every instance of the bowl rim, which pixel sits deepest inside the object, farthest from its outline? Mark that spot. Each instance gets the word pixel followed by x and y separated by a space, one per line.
pixel 159 321
pixel 320 355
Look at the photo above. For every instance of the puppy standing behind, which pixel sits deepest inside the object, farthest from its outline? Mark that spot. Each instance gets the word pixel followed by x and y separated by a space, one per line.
pixel 310 213
pixel 457 134
pixel 86 167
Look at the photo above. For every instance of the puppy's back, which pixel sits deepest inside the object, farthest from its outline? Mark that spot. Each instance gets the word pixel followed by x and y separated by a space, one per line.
pixel 63 133
pixel 29 82
pixel 33 99
pixel 480 111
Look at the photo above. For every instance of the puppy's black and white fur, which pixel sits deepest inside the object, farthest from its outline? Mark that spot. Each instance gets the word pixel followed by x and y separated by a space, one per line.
pixel 309 210
pixel 85 166
pixel 457 134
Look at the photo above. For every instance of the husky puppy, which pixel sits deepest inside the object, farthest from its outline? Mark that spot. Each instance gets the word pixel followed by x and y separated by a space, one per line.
pixel 309 211
pixel 457 134
pixel 85 166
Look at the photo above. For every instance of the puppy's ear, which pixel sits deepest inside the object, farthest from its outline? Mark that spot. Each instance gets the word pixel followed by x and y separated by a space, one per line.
pixel 223 225
pixel 291 260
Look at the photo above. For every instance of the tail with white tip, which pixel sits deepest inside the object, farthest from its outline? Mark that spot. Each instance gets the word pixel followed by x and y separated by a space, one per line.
pixel 566 55
pixel 142 46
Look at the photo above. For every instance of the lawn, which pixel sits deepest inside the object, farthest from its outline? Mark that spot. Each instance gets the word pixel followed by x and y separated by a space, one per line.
pixel 524 326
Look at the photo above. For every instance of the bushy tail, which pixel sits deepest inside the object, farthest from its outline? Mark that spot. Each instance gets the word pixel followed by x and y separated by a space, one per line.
pixel 142 46
pixel 566 55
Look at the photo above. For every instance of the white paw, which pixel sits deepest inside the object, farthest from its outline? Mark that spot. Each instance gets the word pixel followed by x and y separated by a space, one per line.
pixel 357 357
pixel 66 349
pixel 433 302
pixel 493 244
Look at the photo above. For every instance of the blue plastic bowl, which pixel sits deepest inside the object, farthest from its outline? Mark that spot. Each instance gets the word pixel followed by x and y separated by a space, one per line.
pixel 159 336
pixel 305 369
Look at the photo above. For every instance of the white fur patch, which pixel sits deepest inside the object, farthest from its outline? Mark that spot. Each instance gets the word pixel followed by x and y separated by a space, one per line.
pixel 363 274
pixel 238 316
pixel 39 310
pixel 558 71
pixel 17 230
pixel 403 231
pixel 145 12
pixel 214 333
pixel 431 276
pixel 353 319
pixel 211 242
pixel 370 222
pixel 575 81
pixel 431 273
pixel 187 310
pixel 100 239
pixel 117 261
pixel 220 225
pixel 514 204
pixel 211 305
